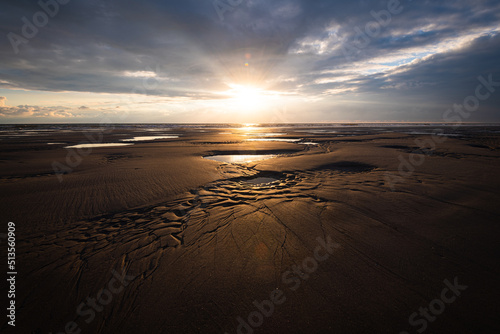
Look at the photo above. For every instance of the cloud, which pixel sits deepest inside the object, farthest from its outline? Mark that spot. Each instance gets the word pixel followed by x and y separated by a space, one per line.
pixel 181 50
pixel 25 111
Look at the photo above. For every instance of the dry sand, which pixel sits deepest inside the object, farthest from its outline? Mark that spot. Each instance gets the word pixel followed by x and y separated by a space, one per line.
pixel 203 242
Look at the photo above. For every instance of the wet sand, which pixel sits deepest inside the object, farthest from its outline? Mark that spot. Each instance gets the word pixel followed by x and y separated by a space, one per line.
pixel 205 246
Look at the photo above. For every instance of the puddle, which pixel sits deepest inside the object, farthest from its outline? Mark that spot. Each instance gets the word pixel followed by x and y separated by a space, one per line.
pixel 97 145
pixel 275 139
pixel 148 138
pixel 238 159
pixel 308 143
pixel 258 181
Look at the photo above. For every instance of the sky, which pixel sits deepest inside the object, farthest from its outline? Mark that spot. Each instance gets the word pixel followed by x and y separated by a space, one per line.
pixel 249 61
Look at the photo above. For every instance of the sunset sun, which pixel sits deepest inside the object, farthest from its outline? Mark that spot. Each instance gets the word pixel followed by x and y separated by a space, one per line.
pixel 249 98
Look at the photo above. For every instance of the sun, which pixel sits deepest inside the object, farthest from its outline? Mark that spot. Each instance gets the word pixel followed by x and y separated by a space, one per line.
pixel 248 98
pixel 250 102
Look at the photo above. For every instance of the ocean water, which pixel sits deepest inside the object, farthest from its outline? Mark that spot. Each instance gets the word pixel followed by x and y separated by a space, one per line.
pixel 258 131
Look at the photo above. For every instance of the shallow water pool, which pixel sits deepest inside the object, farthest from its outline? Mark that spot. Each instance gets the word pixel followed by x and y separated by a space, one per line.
pixel 148 138
pixel 98 145
pixel 235 159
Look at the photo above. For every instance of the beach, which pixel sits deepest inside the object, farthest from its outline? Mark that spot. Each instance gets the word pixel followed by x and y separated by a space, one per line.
pixel 253 229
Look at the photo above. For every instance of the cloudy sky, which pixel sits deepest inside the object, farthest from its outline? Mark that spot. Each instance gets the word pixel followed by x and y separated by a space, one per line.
pixel 246 60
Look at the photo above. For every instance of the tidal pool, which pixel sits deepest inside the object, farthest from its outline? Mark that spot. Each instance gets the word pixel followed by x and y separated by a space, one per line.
pixel 261 181
pixel 276 139
pixel 238 159
pixel 98 145
pixel 148 138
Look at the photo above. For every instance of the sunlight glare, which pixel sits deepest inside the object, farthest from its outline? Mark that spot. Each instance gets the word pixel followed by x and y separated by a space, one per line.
pixel 248 98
